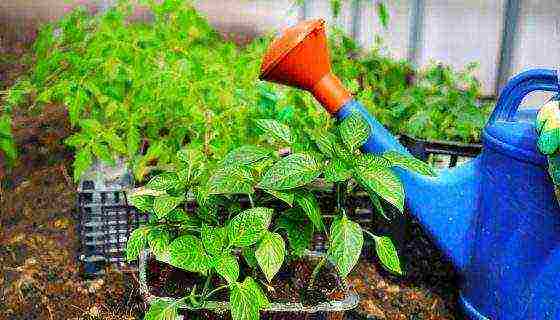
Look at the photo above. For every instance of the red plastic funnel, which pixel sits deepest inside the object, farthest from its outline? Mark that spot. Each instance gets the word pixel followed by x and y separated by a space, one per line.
pixel 300 58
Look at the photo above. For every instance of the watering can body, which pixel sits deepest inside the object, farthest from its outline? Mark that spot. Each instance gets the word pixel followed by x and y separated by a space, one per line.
pixel 496 217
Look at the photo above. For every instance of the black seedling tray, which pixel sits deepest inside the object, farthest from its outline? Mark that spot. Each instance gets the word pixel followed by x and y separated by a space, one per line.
pixel 105 223
pixel 453 151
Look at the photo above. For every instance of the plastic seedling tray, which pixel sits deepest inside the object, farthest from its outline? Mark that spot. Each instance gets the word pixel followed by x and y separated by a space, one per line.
pixel 324 310
pixel 105 217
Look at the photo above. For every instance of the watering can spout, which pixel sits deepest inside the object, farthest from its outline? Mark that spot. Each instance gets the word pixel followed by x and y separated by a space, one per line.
pixel 300 58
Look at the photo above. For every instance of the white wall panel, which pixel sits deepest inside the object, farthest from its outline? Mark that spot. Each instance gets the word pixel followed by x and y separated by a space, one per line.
pixel 322 9
pixel 458 32
pixel 396 36
pixel 537 42
pixel 250 16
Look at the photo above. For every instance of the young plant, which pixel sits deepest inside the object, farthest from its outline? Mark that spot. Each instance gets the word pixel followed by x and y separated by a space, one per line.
pixel 211 239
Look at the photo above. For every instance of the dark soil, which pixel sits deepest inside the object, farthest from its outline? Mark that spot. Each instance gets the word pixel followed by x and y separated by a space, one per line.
pixel 291 284
pixel 40 277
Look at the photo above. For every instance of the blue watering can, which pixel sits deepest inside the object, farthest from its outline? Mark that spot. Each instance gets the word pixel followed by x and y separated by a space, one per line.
pixel 496 217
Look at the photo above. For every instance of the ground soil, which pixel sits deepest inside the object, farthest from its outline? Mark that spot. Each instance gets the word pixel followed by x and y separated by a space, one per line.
pixel 40 277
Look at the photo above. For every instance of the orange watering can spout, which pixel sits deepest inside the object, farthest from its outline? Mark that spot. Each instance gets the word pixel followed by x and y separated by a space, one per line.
pixel 300 58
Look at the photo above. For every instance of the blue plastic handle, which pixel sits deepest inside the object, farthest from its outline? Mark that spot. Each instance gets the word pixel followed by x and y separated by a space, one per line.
pixel 520 86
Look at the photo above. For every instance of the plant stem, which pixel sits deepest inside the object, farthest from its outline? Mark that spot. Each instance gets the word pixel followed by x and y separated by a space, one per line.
pixel 207 283
pixel 251 201
pixel 315 273
pixel 370 234
pixel 214 291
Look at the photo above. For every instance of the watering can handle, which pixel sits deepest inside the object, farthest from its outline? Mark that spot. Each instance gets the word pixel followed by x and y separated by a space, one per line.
pixel 520 86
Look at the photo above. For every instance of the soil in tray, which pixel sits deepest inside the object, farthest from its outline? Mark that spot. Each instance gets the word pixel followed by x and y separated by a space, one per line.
pixel 289 285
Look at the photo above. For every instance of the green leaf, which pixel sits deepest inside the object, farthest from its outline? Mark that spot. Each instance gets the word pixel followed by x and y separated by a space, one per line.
pixel 260 297
pixel 346 241
pixel 299 232
pixel 383 14
pixel 354 131
pixel 144 203
pixel 162 309
pixel 248 227
pixel 82 161
pixel 191 166
pixel 214 239
pixel 287 197
pixel 249 255
pixel 270 254
pixel 246 300
pixel 133 140
pixel 115 142
pixel 180 216
pixel 187 252
pixel 291 172
pixel 165 204
pixel 164 181
pixel 136 243
pixel 308 203
pixel 387 254
pixel 8 146
pixel 326 142
pixel 276 130
pixel 377 204
pixel 375 177
pixel 337 171
pixel 231 180
pixel 246 155
pixel 408 162
pixel 158 240
pixel 227 267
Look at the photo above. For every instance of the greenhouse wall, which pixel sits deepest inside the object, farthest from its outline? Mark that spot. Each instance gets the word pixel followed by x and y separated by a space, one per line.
pixel 455 32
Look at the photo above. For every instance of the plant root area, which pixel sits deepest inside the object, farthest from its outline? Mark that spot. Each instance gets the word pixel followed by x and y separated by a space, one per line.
pixel 40 276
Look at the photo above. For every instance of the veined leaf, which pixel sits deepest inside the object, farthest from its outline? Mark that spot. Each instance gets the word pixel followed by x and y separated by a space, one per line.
pixel 249 256
pixel 408 162
pixel 337 171
pixel 377 204
pixel 246 155
pixel 158 240
pixel 144 203
pixel 164 181
pixel 228 267
pixel 165 204
pixel 287 197
pixel 346 241
pixel 381 180
pixel 246 300
pixel 187 252
pixel 387 254
pixel 248 227
pixel 231 180
pixel 191 166
pixel 162 309
pixel 326 142
pixel 276 130
pixel 354 131
pixel 299 232
pixel 136 242
pixel 214 239
pixel 291 172
pixel 308 203
pixel 270 254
